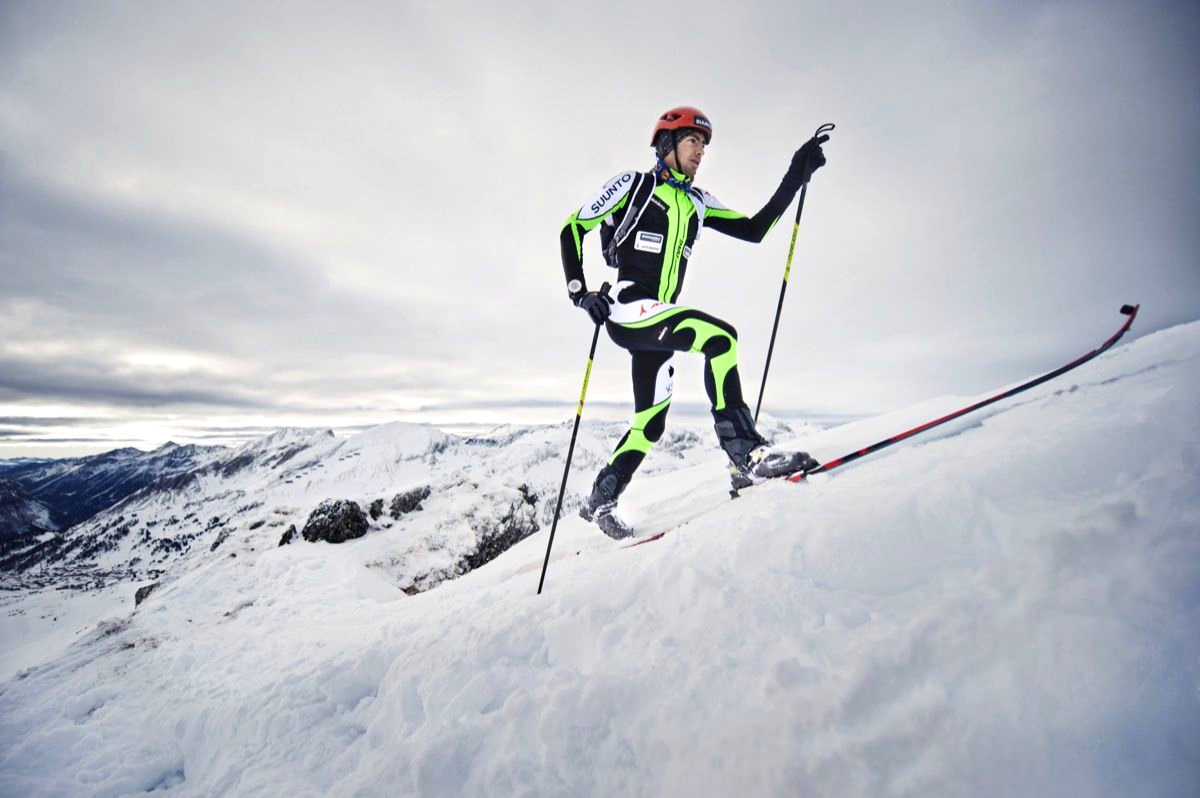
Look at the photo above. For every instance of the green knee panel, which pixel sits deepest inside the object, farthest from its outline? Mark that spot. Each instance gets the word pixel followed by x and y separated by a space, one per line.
pixel 723 363
pixel 637 441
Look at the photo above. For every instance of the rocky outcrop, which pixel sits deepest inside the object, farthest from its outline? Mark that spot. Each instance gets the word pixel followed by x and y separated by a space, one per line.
pixel 336 521
pixel 500 520
pixel 518 523
pixel 409 501
pixel 143 593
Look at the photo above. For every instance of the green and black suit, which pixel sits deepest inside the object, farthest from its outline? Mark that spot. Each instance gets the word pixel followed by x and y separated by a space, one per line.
pixel 649 222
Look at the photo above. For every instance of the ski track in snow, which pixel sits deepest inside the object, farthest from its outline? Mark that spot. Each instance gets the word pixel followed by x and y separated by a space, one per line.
pixel 1009 607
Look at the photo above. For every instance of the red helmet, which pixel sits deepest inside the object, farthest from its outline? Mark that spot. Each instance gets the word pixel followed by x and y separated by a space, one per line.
pixel 685 116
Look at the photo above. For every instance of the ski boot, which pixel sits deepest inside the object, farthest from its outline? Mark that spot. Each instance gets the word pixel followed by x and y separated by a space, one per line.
pixel 764 463
pixel 752 461
pixel 601 505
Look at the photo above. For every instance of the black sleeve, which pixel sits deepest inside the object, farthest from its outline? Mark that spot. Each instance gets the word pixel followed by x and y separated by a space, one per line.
pixel 570 242
pixel 753 228
pixel 610 200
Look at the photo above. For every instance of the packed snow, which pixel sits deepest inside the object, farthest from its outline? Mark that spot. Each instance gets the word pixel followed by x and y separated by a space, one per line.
pixel 1008 607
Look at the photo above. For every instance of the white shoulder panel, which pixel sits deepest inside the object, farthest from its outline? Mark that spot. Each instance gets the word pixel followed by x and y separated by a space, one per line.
pixel 608 196
pixel 710 201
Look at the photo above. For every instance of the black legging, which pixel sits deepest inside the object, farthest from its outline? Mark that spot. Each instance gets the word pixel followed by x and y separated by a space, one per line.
pixel 652 344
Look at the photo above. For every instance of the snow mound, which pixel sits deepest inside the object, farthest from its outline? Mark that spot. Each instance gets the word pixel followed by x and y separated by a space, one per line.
pixel 399 440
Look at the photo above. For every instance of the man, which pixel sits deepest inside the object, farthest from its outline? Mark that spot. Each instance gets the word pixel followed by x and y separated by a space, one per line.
pixel 649 223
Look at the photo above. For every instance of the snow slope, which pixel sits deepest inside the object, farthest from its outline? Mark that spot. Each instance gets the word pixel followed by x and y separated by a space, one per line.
pixel 1009 609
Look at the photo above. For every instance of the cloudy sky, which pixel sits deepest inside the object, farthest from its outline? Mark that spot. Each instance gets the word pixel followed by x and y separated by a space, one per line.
pixel 217 218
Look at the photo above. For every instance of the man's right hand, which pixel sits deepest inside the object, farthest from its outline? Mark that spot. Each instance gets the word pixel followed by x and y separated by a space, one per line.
pixel 597 305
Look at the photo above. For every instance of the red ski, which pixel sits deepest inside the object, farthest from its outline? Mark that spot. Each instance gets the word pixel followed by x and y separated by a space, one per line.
pixel 1128 310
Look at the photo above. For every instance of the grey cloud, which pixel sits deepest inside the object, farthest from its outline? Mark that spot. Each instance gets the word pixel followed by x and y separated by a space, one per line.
pixel 106 443
pixel 40 421
pixel 562 403
pixel 74 381
pixel 514 402
pixel 93 383
pixel 193 431
pixel 135 271
pixel 151 281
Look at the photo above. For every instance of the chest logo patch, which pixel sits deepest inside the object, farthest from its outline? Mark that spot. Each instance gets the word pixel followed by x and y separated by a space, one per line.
pixel 648 242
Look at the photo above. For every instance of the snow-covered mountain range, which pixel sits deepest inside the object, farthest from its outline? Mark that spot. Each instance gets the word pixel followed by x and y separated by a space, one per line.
pixel 75 489
pixel 437 505
pixel 1010 606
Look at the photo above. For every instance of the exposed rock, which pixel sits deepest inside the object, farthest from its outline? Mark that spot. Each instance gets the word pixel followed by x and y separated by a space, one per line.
pixel 143 593
pixel 231 467
pixel 376 509
pixel 336 521
pixel 220 539
pixel 288 536
pixel 278 460
pixel 517 524
pixel 409 501
pixel 110 627
pixel 175 482
pixel 497 528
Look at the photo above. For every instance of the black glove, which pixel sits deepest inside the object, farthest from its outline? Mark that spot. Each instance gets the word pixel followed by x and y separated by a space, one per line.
pixel 807 160
pixel 597 305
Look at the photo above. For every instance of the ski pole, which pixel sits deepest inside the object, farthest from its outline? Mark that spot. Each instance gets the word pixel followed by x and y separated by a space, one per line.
pixel 821 137
pixel 571 449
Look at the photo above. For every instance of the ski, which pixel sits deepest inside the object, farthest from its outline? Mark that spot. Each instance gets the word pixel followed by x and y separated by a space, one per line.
pixel 647 539
pixel 1130 311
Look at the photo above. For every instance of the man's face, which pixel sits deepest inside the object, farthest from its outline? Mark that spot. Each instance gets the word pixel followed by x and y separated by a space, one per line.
pixel 691 152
